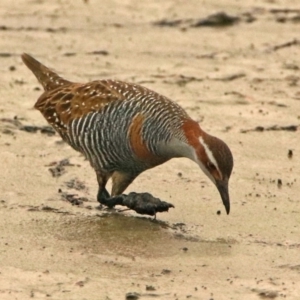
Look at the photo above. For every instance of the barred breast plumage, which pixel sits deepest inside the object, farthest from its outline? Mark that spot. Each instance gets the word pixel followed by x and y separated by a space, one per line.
pixel 124 129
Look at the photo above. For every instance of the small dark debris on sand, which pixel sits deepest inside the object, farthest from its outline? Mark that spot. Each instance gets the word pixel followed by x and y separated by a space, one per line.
pixel 230 77
pixel 178 79
pixel 170 23
pixel 98 52
pixel 42 129
pixel 58 167
pixel 30 28
pixel 132 296
pixel 10 124
pixel 277 104
pixel 279 183
pixel 219 19
pixel 68 54
pixel 223 19
pixel 285 15
pixel 266 294
pixel 75 184
pixel 5 54
pixel 290 153
pixel 272 128
pixel 47 209
pixel 180 226
pixel 291 43
pixel 17 123
pixel 73 198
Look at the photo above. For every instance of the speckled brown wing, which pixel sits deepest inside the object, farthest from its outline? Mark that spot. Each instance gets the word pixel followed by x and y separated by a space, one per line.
pixel 64 101
pixel 73 101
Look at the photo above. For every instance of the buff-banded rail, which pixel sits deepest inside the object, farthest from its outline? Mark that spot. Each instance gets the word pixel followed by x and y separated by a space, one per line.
pixel 124 129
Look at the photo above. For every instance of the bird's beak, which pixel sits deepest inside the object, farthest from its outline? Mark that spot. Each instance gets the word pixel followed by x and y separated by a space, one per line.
pixel 222 186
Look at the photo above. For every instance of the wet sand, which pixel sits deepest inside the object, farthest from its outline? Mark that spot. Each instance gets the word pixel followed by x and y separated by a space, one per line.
pixel 240 81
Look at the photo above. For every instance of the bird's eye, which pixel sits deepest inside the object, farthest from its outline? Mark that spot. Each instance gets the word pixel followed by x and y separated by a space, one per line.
pixel 211 166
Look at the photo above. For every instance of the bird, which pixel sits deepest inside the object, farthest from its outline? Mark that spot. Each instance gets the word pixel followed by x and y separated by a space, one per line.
pixel 124 129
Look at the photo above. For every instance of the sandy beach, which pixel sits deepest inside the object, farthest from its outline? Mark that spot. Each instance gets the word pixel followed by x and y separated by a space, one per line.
pixel 235 68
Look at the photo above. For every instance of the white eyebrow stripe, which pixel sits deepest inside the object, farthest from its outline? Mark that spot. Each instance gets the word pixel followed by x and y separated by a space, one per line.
pixel 209 154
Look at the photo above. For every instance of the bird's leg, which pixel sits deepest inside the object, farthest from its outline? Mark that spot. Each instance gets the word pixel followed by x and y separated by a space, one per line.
pixel 103 194
pixel 120 182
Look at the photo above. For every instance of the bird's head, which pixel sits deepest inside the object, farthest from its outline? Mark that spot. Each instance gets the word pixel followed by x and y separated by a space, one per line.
pixel 214 158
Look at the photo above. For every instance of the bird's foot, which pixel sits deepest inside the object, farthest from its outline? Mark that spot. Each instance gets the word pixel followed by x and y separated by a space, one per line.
pixel 104 198
pixel 113 201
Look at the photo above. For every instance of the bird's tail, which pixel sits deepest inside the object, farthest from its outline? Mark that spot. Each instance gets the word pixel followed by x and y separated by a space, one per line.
pixel 48 79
